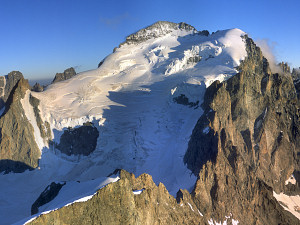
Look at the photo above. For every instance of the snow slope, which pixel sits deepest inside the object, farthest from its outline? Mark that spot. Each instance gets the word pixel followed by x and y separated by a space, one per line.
pixel 130 99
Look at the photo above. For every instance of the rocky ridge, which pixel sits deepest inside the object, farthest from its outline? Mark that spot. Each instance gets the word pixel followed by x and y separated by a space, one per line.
pixel 7 83
pixel 128 201
pixel 18 149
pixel 246 144
pixel 159 29
pixel 67 74
pixel 37 87
pixel 296 79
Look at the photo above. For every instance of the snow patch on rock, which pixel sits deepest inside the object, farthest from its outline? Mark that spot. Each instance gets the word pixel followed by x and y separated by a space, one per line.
pixel 28 109
pixel 289 203
pixel 291 180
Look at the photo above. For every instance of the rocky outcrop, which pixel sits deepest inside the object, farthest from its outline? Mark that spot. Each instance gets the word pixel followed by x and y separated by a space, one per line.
pixel 37 88
pixel 50 192
pixel 121 203
pixel 67 74
pixel 246 144
pixel 285 67
pixel 296 73
pixel 183 100
pixel 7 83
pixel 44 127
pixel 156 30
pixel 100 63
pixel 296 79
pixel 18 149
pixel 79 141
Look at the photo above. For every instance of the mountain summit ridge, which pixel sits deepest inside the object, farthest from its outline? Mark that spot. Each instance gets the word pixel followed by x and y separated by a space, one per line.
pixel 159 29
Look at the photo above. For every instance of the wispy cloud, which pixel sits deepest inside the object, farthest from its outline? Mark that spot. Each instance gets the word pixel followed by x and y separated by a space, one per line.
pixel 268 49
pixel 116 21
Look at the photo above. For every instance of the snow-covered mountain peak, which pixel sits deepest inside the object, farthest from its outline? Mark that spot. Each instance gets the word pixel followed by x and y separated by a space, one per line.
pixel 144 100
pixel 159 29
pixel 191 59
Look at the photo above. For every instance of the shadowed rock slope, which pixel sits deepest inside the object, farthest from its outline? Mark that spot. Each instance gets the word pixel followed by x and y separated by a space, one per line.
pixel 18 149
pixel 246 144
pixel 81 140
pixel 296 79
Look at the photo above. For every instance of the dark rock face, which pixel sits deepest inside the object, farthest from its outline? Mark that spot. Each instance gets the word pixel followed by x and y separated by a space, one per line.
pixel 117 204
pixel 50 192
pixel 194 59
pixel 17 143
pixel 8 166
pixel 7 83
pixel 67 74
pixel 296 80
pixel 82 140
pixel 246 144
pixel 37 88
pixel 183 100
pixel 100 63
pixel 204 32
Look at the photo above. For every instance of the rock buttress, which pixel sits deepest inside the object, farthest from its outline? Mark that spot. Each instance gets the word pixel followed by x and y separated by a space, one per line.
pixel 18 149
pixel 246 144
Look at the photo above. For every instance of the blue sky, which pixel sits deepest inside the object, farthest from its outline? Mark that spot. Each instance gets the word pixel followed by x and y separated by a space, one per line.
pixel 42 37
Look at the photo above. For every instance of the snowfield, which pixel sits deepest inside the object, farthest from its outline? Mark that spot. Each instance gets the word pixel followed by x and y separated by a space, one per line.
pixel 130 100
pixel 289 203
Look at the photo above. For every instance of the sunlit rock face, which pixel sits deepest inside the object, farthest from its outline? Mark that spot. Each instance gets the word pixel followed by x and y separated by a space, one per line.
pixel 18 149
pixel 246 143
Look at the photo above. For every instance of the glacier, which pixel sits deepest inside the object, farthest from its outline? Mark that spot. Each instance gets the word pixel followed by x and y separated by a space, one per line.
pixel 130 100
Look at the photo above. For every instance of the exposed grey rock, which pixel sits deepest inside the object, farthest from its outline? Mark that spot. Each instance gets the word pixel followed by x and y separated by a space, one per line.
pixel 296 80
pixel 67 74
pixel 7 83
pixel 204 32
pixel 44 127
pixel 285 67
pixel 246 144
pixel 100 63
pixel 50 192
pixel 37 88
pixel 81 140
pixel 296 73
pixel 156 30
pixel 194 59
pixel 17 142
pixel 183 100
